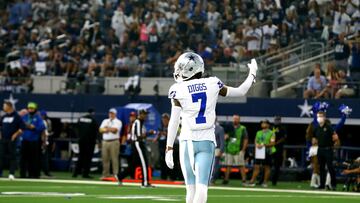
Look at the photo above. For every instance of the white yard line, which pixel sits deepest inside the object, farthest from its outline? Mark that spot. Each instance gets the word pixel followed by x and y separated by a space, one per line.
pixel 316 192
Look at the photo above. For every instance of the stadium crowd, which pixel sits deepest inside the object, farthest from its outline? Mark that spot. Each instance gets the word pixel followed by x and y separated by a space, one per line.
pixel 83 40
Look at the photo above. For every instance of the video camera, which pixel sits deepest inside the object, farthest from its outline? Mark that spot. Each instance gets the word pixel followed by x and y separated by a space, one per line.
pixel 351 181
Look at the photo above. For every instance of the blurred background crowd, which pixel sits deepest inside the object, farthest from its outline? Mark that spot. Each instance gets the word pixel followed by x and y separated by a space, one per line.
pixel 89 39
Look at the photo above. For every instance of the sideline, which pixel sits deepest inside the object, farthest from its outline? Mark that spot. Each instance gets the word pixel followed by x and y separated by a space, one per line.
pixel 183 186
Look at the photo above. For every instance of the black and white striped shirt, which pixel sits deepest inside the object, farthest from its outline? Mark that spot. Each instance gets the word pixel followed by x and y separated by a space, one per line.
pixel 137 130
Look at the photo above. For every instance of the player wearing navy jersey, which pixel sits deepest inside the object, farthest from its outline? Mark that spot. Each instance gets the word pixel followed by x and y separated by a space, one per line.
pixel 194 99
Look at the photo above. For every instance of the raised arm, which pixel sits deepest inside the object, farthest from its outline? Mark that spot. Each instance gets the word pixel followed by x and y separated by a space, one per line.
pixel 345 112
pixel 227 91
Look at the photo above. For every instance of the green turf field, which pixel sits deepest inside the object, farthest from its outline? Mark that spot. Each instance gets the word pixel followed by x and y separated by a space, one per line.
pixel 54 191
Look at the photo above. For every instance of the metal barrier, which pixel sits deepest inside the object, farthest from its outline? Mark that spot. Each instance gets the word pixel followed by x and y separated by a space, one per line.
pixel 274 65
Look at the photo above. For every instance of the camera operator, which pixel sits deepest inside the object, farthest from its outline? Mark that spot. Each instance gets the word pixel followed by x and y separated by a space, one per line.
pixel 355 170
pixel 351 171
pixel 352 176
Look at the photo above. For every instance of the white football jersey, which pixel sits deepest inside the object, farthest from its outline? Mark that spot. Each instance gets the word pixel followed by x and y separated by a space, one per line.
pixel 198 99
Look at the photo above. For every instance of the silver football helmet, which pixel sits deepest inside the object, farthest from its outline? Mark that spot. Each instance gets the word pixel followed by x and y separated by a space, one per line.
pixel 187 65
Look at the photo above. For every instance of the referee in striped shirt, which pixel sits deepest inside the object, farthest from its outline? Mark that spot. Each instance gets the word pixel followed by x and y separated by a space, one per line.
pixel 139 151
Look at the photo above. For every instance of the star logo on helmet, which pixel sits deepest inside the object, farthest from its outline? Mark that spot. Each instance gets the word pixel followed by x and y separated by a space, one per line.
pixel 192 58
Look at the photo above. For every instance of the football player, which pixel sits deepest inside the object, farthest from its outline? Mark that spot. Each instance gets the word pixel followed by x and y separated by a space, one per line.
pixel 194 99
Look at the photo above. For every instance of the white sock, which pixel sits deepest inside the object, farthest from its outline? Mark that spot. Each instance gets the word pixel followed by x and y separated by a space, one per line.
pixel 328 179
pixel 190 193
pixel 313 180
pixel 317 179
pixel 201 193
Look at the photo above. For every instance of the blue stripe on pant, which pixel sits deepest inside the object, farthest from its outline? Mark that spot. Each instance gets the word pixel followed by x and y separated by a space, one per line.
pixel 203 158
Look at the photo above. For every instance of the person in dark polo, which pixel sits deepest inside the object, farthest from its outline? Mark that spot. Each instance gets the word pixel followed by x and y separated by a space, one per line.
pixel 12 127
pixel 88 135
pixel 327 140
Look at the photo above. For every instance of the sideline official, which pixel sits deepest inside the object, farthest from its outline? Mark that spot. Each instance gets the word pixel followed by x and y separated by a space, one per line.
pixel 138 136
pixel 87 134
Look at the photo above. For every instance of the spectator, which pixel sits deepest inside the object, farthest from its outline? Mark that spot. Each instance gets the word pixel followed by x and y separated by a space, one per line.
pixel 284 35
pixel 12 127
pixel 236 145
pixel 108 66
pixel 341 21
pixel 253 37
pixel 110 129
pixel 355 19
pixel 268 32
pixel 32 143
pixel 342 53
pixel 183 26
pixel 118 23
pixel 351 6
pixel 111 40
pixel 345 86
pixel 145 67
pixel 172 15
pixel 213 18
pixel 132 63
pixel 58 31
pixel 316 85
pixel 264 138
pixel 332 77
pixel 263 13
pixel 355 59
pixel 226 57
pixel 219 150
pixel 198 22
pixel 280 139
pixel 121 69
pixel 153 46
pixel 88 136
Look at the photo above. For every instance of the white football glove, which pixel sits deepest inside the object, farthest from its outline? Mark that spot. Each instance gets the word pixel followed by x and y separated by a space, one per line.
pixel 253 68
pixel 169 159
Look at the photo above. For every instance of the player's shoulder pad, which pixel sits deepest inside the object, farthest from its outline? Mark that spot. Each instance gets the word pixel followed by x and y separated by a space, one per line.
pixel 173 91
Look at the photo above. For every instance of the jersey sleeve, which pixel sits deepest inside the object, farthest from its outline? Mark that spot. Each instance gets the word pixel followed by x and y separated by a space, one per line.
pixel 173 92
pixel 217 83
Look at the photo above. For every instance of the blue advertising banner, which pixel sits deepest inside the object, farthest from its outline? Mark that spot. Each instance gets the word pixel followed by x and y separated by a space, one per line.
pixel 71 105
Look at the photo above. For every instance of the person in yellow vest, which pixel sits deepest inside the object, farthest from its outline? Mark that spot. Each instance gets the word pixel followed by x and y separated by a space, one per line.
pixel 264 140
pixel 235 148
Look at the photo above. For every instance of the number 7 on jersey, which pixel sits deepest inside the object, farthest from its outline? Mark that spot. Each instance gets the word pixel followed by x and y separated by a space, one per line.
pixel 195 98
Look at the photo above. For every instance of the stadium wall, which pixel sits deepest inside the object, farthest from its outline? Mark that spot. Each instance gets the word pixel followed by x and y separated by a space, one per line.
pixel 251 109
